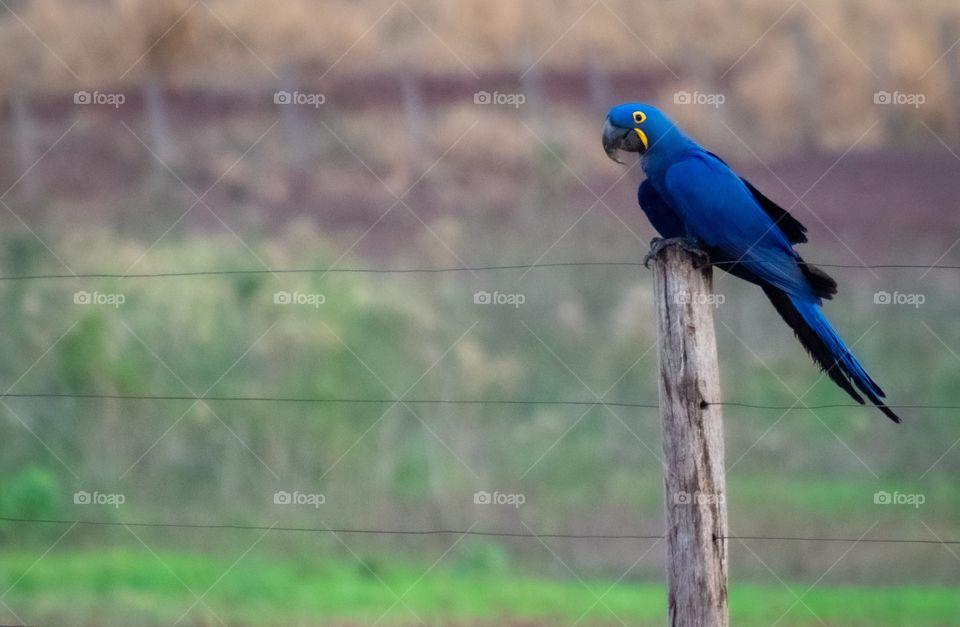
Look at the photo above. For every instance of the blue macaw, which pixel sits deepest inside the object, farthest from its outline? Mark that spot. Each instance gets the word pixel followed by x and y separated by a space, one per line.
pixel 690 193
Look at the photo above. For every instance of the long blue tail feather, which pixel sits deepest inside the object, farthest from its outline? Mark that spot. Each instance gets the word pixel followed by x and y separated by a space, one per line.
pixel 840 356
pixel 827 349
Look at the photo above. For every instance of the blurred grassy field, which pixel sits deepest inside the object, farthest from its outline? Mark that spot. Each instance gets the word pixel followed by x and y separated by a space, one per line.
pixel 222 462
pixel 146 588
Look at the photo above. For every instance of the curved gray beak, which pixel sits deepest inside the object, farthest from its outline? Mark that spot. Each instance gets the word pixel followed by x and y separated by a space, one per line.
pixel 616 139
pixel 612 140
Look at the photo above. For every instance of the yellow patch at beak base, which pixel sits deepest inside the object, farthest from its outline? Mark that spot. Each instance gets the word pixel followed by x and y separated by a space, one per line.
pixel 643 138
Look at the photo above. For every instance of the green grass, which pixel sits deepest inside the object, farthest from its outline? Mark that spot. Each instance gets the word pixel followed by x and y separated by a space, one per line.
pixel 134 587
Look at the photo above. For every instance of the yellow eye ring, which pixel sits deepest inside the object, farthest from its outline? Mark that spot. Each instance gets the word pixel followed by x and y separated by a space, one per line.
pixel 639 117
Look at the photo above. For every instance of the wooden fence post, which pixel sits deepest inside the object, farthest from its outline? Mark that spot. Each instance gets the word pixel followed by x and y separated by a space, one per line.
pixel 696 511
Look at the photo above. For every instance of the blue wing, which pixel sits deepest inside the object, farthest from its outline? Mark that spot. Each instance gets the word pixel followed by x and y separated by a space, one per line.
pixel 724 212
pixel 669 224
pixel 663 218
pixel 719 209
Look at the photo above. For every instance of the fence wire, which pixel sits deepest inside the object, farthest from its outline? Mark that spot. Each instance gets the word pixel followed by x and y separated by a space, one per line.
pixel 427 270
pixel 796 406
pixel 460 532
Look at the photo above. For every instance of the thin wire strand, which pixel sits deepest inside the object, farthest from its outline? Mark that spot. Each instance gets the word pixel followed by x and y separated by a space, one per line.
pixel 571 264
pixel 438 401
pixel 464 532
pixel 400 532
pixel 200 273
pixel 288 399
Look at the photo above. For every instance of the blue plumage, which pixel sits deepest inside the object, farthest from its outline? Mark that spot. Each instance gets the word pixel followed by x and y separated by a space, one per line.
pixel 690 192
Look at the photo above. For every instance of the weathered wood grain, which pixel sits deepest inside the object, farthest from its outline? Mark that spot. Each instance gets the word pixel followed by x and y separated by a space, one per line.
pixel 696 513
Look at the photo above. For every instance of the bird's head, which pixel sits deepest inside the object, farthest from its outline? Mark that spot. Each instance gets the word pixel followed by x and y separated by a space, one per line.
pixel 635 127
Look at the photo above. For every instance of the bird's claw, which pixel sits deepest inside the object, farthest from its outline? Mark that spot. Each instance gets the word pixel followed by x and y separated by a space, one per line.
pixel 657 244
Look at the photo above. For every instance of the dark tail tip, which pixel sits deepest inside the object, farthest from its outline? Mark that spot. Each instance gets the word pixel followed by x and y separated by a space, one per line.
pixel 845 371
pixel 889 413
pixel 822 283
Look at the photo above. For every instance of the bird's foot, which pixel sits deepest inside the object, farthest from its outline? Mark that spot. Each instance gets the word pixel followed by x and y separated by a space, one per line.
pixel 657 244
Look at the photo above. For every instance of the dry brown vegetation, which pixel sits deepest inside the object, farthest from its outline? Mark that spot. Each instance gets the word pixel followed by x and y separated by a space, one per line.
pixel 100 41
pixel 749 50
